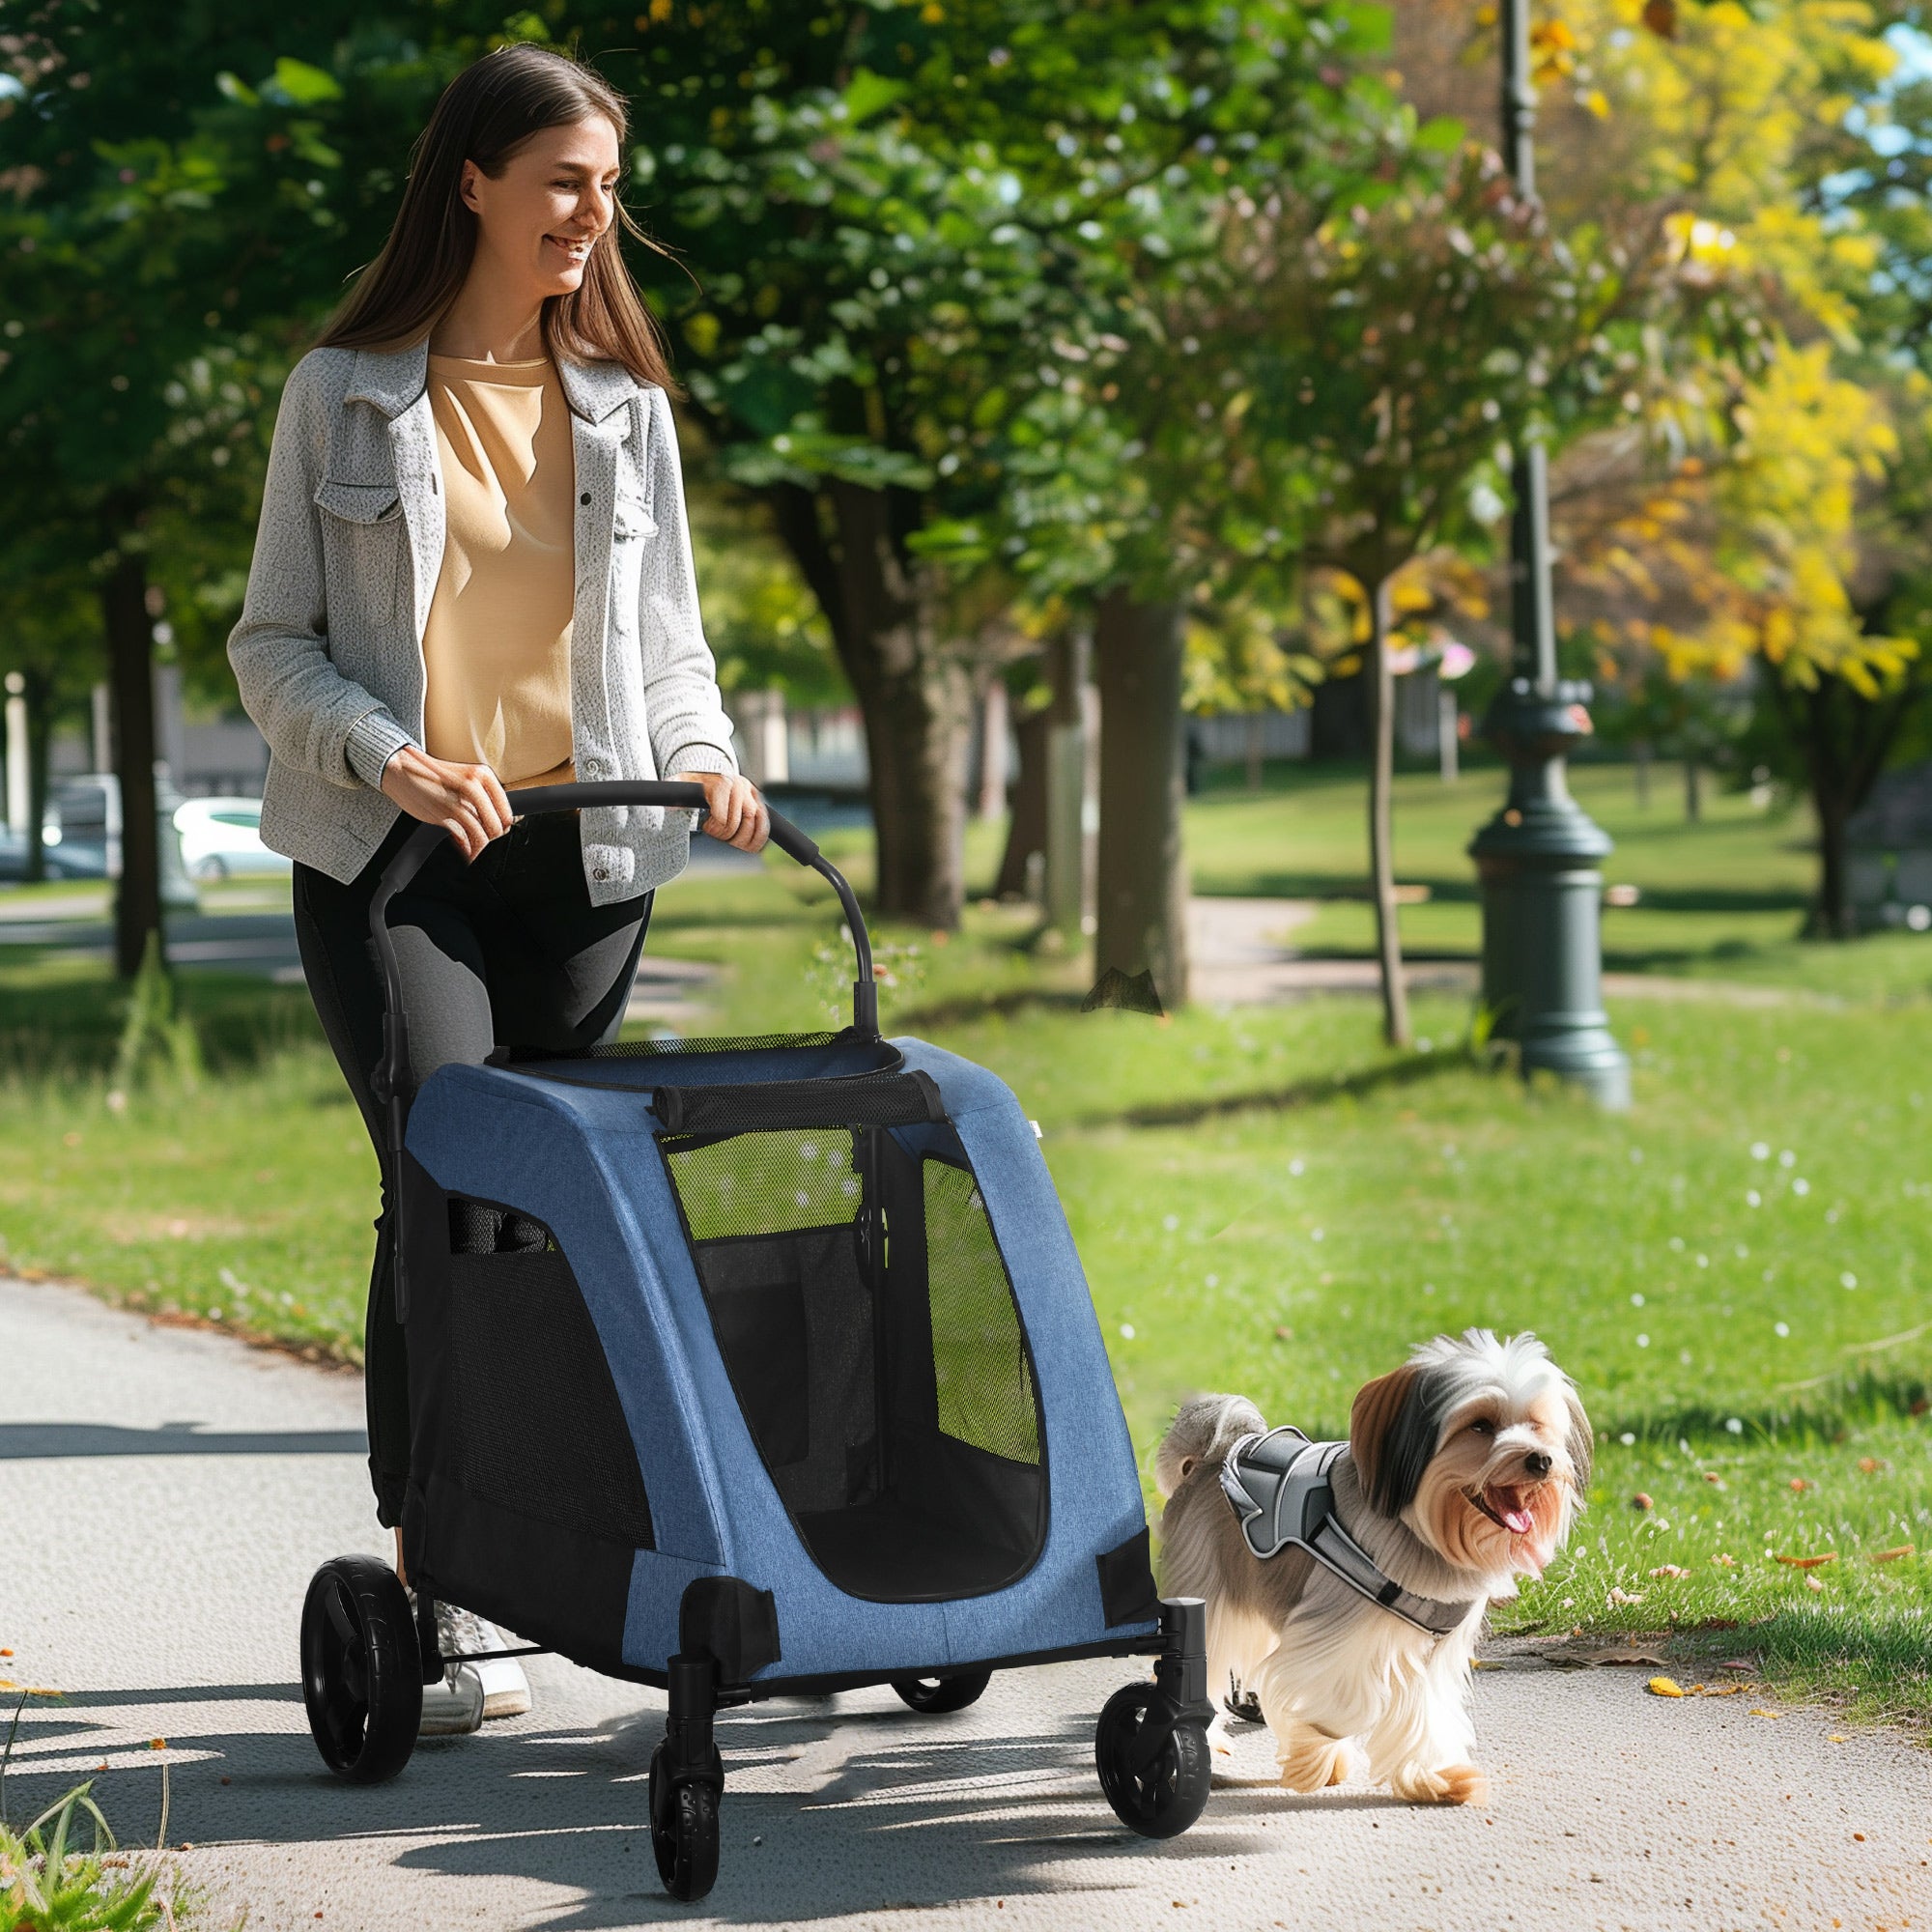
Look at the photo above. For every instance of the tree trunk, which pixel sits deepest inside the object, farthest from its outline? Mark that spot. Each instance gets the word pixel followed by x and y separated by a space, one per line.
pixel 993 748
pixel 1026 833
pixel 915 693
pixel 1380 695
pixel 1834 915
pixel 1641 767
pixel 1143 869
pixel 137 904
pixel 39 696
pixel 1693 798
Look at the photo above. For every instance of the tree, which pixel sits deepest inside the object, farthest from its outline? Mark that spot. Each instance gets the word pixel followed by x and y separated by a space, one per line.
pixel 173 233
pixel 1391 349
pixel 908 225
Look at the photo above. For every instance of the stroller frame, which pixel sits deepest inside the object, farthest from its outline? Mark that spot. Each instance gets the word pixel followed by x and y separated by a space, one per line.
pixel 369 1647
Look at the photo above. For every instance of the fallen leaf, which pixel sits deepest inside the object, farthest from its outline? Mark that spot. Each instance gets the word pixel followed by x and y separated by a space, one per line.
pixel 1712 1477
pixel 1889 1555
pixel 1736 1663
pixel 1860 1836
pixel 1839 1738
pixel 41 1690
pixel 1798 1484
pixel 7 1683
pixel 1725 1689
pixel 6 1653
pixel 157 1744
pixel 1870 1465
pixel 1808 1562
pixel 1640 1501
pixel 1665 1687
pixel 1758 1710
pixel 1670 1569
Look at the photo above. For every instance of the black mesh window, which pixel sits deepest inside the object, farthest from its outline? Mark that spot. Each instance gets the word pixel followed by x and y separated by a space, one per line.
pixel 866 1319
pixel 982 1380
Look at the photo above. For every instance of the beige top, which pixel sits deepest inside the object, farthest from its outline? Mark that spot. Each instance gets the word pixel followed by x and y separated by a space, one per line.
pixel 497 642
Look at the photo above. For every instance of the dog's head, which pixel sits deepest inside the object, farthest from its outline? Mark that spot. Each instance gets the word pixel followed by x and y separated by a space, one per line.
pixel 1480 1446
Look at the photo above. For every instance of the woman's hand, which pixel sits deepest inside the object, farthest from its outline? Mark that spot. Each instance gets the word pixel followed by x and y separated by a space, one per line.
pixel 467 801
pixel 733 809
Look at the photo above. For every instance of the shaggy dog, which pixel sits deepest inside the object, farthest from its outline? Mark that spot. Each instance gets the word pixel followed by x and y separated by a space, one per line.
pixel 1463 1470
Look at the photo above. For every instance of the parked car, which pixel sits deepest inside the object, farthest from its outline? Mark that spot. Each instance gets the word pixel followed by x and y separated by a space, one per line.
pixel 82 835
pixel 221 839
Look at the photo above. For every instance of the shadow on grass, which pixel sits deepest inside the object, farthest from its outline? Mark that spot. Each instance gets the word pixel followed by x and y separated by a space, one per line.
pixel 1409 1070
pixel 1826 1411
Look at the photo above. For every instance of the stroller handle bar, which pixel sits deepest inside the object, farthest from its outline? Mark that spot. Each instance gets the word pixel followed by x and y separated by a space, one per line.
pixel 393 1074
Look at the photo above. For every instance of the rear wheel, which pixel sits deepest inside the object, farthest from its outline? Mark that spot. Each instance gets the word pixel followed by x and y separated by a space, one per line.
pixel 684 1831
pixel 935 1695
pixel 1157 1784
pixel 361 1670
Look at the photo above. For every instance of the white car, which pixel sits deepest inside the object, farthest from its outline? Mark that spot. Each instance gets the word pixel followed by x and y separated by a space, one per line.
pixel 222 838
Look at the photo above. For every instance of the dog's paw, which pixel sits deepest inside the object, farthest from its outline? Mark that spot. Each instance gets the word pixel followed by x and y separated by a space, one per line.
pixel 1313 1763
pixel 1453 1784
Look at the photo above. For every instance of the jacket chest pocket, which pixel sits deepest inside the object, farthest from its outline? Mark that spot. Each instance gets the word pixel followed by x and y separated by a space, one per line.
pixel 363 532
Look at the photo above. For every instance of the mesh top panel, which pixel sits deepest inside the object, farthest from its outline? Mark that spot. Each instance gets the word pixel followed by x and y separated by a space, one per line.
pixel 766 1184
pixel 978 1353
pixel 634 1049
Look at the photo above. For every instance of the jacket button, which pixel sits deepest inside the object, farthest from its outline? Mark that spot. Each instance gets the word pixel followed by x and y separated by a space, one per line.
pixel 585 498
pixel 600 873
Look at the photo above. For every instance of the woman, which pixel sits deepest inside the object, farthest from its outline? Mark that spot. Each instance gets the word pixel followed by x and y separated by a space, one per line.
pixel 473 572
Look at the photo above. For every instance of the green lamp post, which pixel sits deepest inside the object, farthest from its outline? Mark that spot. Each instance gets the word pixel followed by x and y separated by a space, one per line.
pixel 1537 859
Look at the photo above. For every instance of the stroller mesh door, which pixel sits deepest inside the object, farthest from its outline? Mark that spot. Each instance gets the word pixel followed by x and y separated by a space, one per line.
pixel 868 1326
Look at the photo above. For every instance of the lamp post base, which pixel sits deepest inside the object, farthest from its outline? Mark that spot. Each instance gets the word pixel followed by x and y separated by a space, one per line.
pixel 1537 861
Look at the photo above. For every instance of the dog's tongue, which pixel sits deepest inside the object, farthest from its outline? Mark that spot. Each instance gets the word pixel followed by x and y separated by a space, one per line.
pixel 1509 1513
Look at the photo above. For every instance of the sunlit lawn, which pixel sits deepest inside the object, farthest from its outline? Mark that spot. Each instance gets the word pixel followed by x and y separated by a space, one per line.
pixel 1267 1200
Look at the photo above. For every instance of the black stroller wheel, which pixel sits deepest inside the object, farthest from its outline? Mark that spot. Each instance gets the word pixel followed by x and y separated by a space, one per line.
pixel 684 1832
pixel 936 1694
pixel 361 1670
pixel 1157 1785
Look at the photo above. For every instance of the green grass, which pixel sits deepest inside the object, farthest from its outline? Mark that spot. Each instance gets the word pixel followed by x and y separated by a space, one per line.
pixel 1268 1200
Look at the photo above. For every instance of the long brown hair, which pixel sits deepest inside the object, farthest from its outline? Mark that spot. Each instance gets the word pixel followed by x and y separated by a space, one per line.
pixel 485 115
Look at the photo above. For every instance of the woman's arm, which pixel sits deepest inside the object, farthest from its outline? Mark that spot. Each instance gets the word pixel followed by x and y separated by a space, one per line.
pixel 313 718
pixel 690 736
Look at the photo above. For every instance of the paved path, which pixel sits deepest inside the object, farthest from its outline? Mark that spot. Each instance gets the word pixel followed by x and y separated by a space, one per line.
pixel 1241 953
pixel 170 1492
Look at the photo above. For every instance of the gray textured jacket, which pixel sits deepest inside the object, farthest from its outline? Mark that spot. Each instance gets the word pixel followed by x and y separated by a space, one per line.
pixel 328 650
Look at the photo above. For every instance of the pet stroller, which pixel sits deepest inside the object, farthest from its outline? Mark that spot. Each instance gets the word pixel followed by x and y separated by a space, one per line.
pixel 746 1369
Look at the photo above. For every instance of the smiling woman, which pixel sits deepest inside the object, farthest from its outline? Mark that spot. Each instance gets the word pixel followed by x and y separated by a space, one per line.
pixel 473 574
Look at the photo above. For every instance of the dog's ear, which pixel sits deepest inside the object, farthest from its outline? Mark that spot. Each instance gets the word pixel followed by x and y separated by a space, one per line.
pixel 1392 1435
pixel 1581 1441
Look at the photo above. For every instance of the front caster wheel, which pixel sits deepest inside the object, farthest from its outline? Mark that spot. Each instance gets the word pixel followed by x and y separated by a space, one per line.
pixel 684 1832
pixel 936 1694
pixel 1156 1774
pixel 361 1671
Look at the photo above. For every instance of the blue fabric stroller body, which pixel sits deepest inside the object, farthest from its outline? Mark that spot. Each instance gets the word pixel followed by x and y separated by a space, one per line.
pixel 754 1367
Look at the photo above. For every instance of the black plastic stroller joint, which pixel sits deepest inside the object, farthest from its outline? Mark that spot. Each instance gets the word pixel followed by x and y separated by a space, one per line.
pixel 1182 1673
pixel 392 1085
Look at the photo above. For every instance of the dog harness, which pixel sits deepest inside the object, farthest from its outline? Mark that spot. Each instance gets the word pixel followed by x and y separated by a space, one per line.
pixel 1279 1488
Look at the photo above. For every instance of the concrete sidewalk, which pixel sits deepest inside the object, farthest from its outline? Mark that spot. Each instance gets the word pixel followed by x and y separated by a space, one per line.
pixel 169 1493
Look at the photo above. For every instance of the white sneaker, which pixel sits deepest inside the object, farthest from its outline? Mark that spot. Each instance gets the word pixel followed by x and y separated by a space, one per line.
pixel 504 1690
pixel 453 1708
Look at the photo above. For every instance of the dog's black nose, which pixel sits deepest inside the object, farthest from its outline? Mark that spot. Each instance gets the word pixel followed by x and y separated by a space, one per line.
pixel 1537 1463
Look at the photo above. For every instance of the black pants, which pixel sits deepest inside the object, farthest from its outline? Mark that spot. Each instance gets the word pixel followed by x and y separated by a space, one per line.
pixel 509 952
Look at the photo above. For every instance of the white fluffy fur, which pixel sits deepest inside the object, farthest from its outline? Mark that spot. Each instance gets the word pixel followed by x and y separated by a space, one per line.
pixel 1335 1674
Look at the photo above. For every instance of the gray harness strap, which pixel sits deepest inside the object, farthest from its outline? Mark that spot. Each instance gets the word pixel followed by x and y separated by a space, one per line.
pixel 1279 1489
